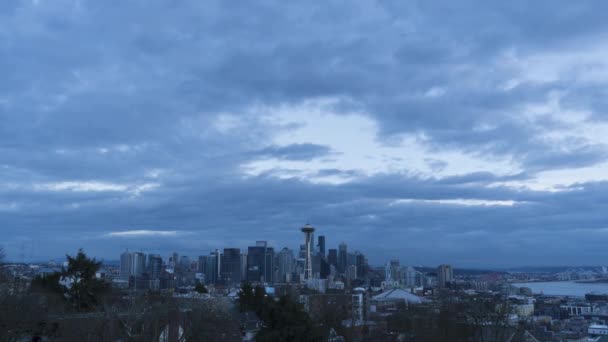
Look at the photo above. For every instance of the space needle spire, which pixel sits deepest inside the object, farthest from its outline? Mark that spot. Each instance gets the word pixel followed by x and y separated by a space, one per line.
pixel 308 230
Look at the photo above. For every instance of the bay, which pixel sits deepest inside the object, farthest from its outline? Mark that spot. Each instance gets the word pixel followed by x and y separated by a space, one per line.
pixel 564 288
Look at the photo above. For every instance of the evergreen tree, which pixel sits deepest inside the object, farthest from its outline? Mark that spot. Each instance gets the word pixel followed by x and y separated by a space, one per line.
pixel 77 283
pixel 83 288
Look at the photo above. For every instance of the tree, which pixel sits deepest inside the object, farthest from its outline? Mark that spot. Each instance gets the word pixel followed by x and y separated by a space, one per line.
pixel 77 283
pixel 2 256
pixel 83 289
pixel 283 320
pixel 200 288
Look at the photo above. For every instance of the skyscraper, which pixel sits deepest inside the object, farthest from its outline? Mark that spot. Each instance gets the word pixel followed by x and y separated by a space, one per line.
pixel 210 268
pixel 342 257
pixel 184 263
pixel 260 263
pixel 269 266
pixel 243 266
pixel 231 266
pixel 324 270
pixel 154 266
pixel 321 244
pixel 125 265
pixel 256 262
pixel 138 264
pixel 202 264
pixel 332 257
pixel 175 260
pixel 445 275
pixel 285 265
pixel 361 265
pixel 395 269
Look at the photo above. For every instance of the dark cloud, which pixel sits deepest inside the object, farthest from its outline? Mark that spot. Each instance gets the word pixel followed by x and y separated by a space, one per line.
pixel 294 152
pixel 124 115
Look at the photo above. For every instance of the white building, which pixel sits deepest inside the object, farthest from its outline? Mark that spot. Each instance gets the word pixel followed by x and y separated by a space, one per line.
pixel 597 329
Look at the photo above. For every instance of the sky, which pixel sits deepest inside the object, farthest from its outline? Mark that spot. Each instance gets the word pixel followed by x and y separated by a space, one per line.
pixel 473 133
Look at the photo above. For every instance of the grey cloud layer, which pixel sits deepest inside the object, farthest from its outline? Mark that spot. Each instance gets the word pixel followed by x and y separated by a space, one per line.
pixel 130 93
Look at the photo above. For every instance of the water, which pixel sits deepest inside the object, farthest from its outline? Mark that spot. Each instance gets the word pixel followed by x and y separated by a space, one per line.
pixel 565 288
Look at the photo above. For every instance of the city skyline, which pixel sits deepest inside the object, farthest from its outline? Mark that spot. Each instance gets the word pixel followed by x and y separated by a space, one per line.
pixel 472 135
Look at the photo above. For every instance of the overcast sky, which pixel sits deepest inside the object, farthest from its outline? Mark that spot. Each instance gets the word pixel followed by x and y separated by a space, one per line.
pixel 466 132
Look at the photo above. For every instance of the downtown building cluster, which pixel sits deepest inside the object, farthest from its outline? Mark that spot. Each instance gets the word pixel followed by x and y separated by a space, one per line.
pixel 258 264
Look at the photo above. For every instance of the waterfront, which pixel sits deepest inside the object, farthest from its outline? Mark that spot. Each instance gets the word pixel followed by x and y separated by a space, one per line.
pixel 564 288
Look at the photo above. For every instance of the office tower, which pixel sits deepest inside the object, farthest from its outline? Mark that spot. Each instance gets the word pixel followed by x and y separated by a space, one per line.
pixel 138 264
pixel 351 272
pixel 316 266
pixel 308 230
pixel 409 277
pixel 395 269
pixel 210 268
pixel 361 265
pixel 285 265
pixel 269 266
pixel 445 275
pixel 332 257
pixel 184 264
pixel 231 266
pixel 154 266
pixel 260 263
pixel 255 261
pixel 175 261
pixel 125 265
pixel 325 269
pixel 202 264
pixel 243 266
pixel 321 244
pixel 342 258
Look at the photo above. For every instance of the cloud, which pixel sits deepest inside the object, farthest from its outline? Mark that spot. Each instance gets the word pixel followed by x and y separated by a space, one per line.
pixel 241 123
pixel 143 233
pixel 305 151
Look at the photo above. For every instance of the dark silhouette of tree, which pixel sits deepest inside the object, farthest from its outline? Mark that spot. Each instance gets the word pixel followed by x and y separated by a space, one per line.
pixel 283 319
pixel 200 288
pixel 84 288
pixel 77 283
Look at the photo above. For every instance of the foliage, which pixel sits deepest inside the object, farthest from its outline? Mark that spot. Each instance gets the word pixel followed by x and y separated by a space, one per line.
pixel 77 283
pixel 283 320
pixel 200 288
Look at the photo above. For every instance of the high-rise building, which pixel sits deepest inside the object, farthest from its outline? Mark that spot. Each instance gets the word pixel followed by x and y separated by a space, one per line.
pixel 321 245
pixel 255 263
pixel 395 269
pixel 174 261
pixel 154 266
pixel 409 276
pixel 332 257
pixel 445 275
pixel 243 266
pixel 184 264
pixel 260 263
pixel 325 269
pixel 231 266
pixel 202 264
pixel 285 265
pixel 125 265
pixel 361 265
pixel 209 266
pixel 269 266
pixel 342 257
pixel 138 264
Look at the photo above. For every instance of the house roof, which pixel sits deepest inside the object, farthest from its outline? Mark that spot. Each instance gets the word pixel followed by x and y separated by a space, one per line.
pixel 394 294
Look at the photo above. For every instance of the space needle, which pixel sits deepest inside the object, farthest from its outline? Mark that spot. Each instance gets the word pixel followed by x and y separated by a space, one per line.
pixel 308 230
